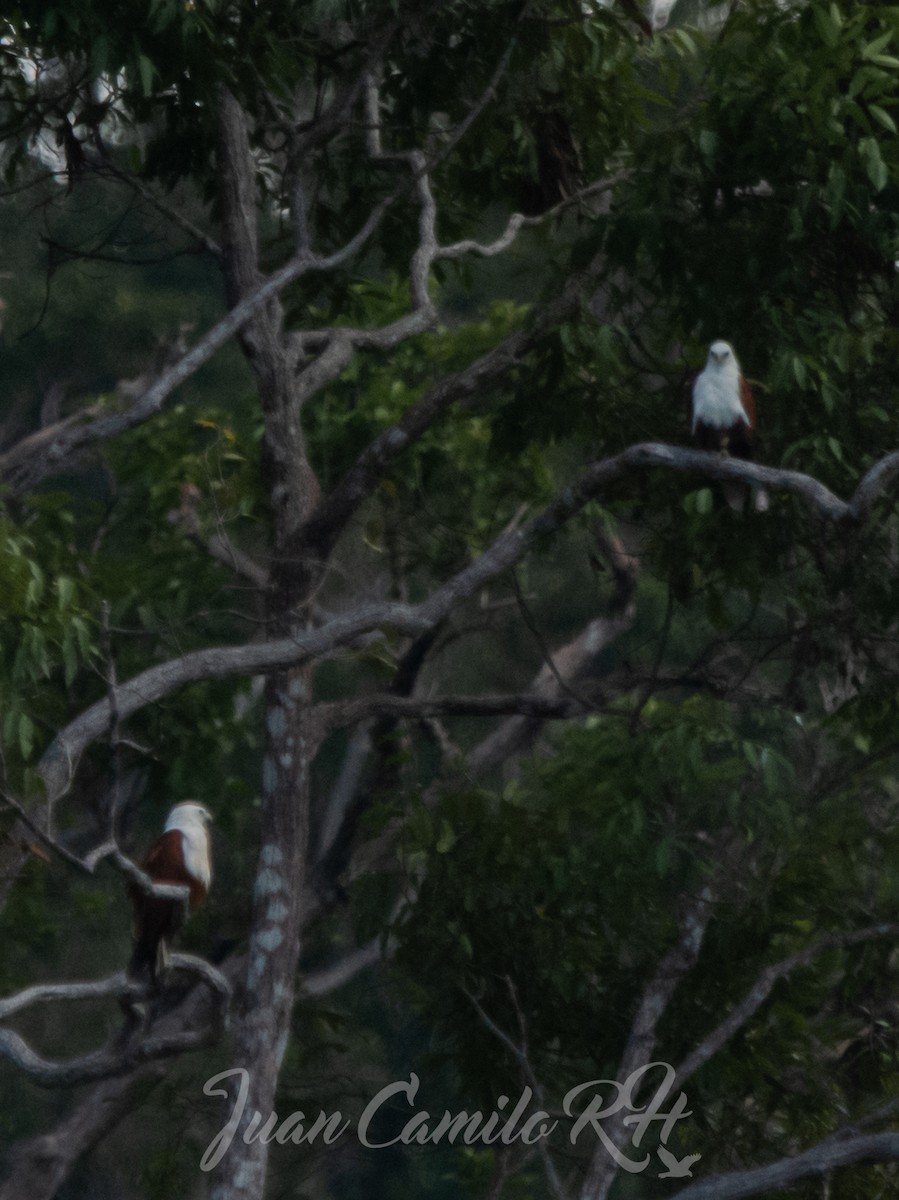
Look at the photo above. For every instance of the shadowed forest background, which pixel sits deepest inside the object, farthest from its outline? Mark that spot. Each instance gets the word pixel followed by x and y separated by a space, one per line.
pixel 347 487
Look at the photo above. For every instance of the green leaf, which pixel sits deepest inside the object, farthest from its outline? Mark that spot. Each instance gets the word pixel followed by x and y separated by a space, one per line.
pixel 83 635
pixel 65 592
pixel 664 856
pixel 69 658
pixel 827 26
pixel 446 839
pixel 874 48
pixel 875 167
pixel 836 190
pixel 708 142
pixel 147 71
pixel 26 735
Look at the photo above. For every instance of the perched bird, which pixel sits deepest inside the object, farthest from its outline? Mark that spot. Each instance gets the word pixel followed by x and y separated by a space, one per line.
pixel 678 1168
pixel 724 417
pixel 180 856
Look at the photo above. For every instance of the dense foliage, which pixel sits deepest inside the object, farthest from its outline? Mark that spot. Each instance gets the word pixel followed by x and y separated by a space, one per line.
pixel 736 733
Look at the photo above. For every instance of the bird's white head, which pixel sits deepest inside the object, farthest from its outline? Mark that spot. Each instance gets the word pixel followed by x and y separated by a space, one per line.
pixel 191 819
pixel 721 355
pixel 187 816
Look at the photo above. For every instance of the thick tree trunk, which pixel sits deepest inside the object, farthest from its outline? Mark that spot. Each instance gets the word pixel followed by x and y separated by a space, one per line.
pixel 40 1166
pixel 291 741
pixel 264 1020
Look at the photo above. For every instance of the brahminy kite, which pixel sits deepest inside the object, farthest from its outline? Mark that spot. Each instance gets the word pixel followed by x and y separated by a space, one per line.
pixel 180 856
pixel 724 417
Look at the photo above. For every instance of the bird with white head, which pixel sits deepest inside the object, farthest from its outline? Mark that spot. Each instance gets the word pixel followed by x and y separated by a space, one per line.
pixel 724 417
pixel 181 855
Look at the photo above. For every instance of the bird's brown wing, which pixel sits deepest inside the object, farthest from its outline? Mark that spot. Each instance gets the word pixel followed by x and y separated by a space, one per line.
pixel 740 435
pixel 156 920
pixel 165 864
pixel 748 401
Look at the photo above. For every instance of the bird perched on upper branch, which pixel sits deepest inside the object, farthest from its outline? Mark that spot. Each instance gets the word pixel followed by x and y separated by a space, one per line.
pixel 724 417
pixel 179 856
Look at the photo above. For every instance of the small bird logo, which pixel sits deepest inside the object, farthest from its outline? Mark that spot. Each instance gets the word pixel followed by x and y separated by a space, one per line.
pixel 678 1168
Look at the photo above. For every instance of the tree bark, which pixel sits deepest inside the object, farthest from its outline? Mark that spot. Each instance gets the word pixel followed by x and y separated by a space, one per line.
pixel 290 737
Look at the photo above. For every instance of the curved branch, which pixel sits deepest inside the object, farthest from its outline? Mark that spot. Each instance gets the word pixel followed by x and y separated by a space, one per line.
pixel 762 989
pixel 170 211
pixel 144 884
pixel 115 1059
pixel 334 511
pixel 670 973
pixel 330 517
pixel 873 485
pixel 45 993
pixel 39 1165
pixel 59 760
pixel 47 451
pixel 331 978
pixel 518 221
pixel 42 454
pixel 826 1156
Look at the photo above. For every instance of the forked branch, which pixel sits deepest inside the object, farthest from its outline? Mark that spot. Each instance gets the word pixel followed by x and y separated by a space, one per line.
pixel 115 1059
pixel 60 759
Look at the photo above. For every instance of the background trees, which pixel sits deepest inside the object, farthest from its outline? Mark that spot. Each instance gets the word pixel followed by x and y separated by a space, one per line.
pixel 346 489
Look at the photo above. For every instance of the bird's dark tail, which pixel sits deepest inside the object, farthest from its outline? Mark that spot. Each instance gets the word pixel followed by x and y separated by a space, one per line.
pixel 143 966
pixel 142 973
pixel 735 494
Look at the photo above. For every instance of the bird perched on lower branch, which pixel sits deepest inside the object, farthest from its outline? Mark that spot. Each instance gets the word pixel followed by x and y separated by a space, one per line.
pixel 724 417
pixel 179 856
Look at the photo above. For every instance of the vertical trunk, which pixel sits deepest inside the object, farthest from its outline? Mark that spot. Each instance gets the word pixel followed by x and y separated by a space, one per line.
pixel 264 1019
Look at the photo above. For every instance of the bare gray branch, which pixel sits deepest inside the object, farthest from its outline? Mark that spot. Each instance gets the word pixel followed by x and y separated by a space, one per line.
pixel 115 1059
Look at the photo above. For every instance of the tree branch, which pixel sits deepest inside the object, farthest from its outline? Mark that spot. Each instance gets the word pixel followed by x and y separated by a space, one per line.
pixel 170 211
pixel 672 969
pixel 42 454
pixel 573 663
pixel 115 1059
pixel 47 451
pixel 762 989
pixel 340 713
pixel 818 1160
pixel 522 1056
pixel 40 1165
pixel 58 762
pixel 218 545
pixel 110 849
pixel 518 221
pixel 329 979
